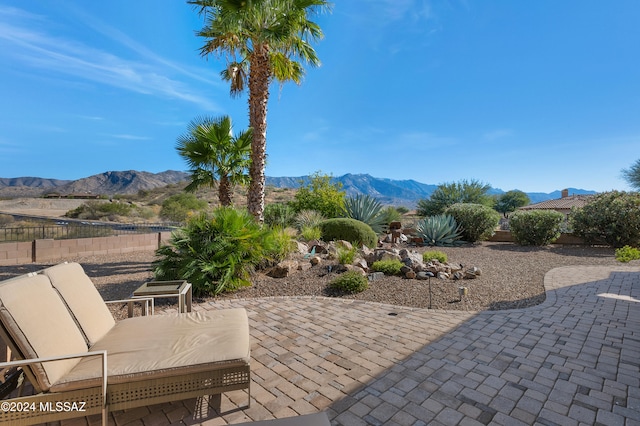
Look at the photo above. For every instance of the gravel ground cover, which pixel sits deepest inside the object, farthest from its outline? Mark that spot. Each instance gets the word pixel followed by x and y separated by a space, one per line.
pixel 512 277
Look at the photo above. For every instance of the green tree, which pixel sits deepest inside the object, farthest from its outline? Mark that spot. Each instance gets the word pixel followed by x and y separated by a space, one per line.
pixel 447 194
pixel 321 195
pixel 632 175
pixel 510 202
pixel 214 155
pixel 261 41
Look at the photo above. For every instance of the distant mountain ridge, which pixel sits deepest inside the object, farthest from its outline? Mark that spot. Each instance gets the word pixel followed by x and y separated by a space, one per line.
pixel 387 191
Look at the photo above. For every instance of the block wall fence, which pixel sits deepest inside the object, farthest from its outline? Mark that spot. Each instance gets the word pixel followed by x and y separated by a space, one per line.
pixel 39 251
pixel 48 250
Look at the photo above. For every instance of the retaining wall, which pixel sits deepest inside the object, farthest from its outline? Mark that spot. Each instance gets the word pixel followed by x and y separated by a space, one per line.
pixel 48 250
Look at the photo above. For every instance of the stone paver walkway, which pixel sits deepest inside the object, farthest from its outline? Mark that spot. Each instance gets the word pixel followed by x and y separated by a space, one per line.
pixel 573 360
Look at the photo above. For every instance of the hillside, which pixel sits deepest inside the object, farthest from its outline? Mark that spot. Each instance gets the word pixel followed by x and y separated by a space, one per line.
pixel 131 182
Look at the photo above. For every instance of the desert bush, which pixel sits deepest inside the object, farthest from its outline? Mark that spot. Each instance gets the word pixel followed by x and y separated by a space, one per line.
pixel 308 219
pixel 278 214
pixel 310 233
pixel 347 229
pixel 178 207
pixel 434 254
pixel 447 194
pixel 321 195
pixel 217 253
pixel 627 254
pixel 6 219
pixel 536 227
pixel 99 210
pixel 439 230
pixel 367 209
pixel 346 255
pixel 388 267
pixel 350 282
pixel 610 217
pixel 478 222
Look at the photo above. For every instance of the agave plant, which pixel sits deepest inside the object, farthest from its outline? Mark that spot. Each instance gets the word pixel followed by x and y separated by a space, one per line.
pixel 440 230
pixel 366 209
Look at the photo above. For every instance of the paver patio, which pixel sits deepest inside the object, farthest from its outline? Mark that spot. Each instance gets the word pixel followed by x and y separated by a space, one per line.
pixel 575 359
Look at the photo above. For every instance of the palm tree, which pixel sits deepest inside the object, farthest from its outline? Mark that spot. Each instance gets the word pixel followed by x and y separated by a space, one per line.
pixel 261 40
pixel 214 155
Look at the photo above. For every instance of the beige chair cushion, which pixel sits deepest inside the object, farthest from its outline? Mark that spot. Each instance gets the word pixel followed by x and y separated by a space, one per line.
pixel 40 325
pixel 166 345
pixel 82 298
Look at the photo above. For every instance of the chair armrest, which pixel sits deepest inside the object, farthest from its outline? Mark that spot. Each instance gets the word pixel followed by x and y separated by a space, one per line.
pixel 102 354
pixel 130 301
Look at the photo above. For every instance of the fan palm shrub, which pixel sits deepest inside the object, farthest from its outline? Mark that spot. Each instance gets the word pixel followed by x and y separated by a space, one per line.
pixel 367 209
pixel 439 230
pixel 218 253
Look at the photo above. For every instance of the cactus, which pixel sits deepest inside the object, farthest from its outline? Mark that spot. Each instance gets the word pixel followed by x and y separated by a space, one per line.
pixel 439 230
pixel 366 209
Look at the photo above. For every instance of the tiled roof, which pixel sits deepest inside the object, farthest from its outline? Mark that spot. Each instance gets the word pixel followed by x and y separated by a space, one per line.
pixel 565 203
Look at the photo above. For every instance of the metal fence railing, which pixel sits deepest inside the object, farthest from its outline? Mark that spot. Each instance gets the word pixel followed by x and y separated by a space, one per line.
pixel 77 230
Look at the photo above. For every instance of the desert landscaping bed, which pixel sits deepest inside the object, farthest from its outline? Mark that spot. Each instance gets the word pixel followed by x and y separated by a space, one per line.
pixel 512 277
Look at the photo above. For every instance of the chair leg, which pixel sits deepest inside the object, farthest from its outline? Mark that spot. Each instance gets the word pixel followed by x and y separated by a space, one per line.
pixel 215 401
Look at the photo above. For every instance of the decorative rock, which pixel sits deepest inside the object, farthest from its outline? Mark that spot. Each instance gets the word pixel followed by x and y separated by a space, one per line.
pixel 304 266
pixel 283 269
pixel 390 255
pixel 410 274
pixel 315 260
pixel 458 275
pixel 404 269
pixel 362 264
pixel 301 247
pixel 472 273
pixel 375 276
pixel 442 276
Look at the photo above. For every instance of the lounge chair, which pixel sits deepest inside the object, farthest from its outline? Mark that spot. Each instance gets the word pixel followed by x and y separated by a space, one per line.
pixel 102 365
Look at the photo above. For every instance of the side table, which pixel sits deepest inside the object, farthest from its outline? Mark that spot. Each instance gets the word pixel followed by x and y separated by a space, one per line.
pixel 157 289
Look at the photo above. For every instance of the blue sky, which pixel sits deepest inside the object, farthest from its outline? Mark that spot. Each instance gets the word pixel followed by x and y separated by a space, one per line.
pixel 536 96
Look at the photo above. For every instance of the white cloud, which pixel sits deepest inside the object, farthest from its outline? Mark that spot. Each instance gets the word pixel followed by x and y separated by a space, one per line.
pixel 131 137
pixel 31 46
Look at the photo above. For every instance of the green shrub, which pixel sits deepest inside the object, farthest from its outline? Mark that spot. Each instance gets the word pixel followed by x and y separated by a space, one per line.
pixel 310 233
pixel 439 230
pixel 388 267
pixel 178 207
pixel 282 246
pixel 627 254
pixel 321 195
pixel 611 217
pixel 390 214
pixel 350 282
pixel 536 227
pixel 218 253
pixel 278 214
pixel 346 256
pixel 351 230
pixel 367 209
pixel 478 222
pixel 434 254
pixel 308 219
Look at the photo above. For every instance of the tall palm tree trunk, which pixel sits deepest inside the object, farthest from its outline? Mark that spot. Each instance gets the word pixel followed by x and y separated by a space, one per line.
pixel 259 79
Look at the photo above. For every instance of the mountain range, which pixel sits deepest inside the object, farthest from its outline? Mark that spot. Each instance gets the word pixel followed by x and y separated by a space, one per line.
pixel 387 191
